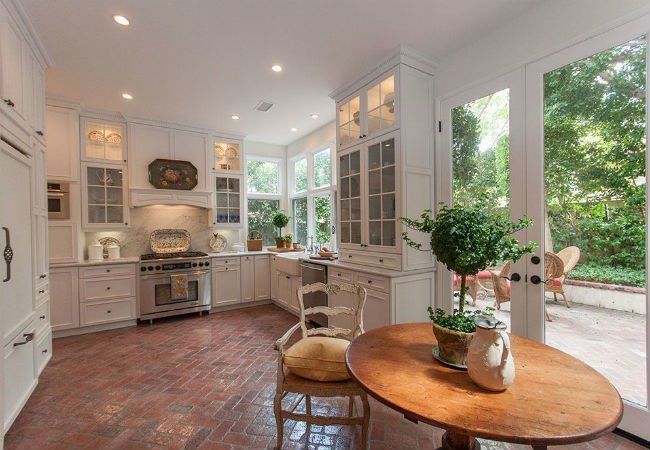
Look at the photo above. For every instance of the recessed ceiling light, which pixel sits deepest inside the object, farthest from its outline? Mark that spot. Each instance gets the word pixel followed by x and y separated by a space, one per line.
pixel 294 129
pixel 314 116
pixel 127 96
pixel 276 68
pixel 234 117
pixel 121 20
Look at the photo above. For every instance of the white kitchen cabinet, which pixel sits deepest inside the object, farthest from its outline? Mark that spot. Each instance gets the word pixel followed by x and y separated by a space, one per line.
pixel 19 374
pixel 292 299
pixel 226 285
pixel 43 351
pixel 227 156
pixel 147 143
pixel 63 241
pixel 11 49
pixel 64 298
pixel 248 280
pixel 40 217
pixel 193 147
pixel 102 312
pixel 39 100
pixel 376 312
pixel 229 200
pixel 107 294
pixel 262 277
pixel 104 196
pixel 284 289
pixel 275 277
pixel 103 141
pixel 62 139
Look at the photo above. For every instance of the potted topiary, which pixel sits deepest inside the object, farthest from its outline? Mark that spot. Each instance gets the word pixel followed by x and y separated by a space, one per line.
pixel 280 220
pixel 287 240
pixel 467 240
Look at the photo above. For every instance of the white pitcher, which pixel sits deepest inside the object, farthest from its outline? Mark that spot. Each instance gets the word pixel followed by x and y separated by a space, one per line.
pixel 489 360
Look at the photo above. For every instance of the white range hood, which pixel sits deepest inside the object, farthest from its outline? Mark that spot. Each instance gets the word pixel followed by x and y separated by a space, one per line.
pixel 148 197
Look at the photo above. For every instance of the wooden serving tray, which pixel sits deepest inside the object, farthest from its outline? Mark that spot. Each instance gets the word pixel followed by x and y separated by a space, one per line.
pixel 285 250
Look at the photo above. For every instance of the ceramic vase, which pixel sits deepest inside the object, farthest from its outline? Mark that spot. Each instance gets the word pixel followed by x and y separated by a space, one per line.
pixel 489 361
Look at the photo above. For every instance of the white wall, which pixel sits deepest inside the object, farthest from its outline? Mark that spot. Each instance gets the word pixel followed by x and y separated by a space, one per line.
pixel 253 148
pixel 318 138
pixel 552 25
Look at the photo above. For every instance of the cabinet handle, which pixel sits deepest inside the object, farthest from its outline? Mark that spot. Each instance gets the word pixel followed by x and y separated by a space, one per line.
pixel 369 281
pixel 39 132
pixel 41 291
pixel 109 311
pixel 108 288
pixel 28 338
pixel 45 351
pixel 338 274
pixel 381 260
pixel 287 277
pixel 108 270
pixel 43 276
pixel 126 223
pixel 42 317
pixel 10 103
pixel 8 253
pixel 349 256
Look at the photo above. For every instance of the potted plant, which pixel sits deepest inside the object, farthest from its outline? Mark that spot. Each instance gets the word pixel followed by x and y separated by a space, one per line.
pixel 467 240
pixel 280 220
pixel 287 240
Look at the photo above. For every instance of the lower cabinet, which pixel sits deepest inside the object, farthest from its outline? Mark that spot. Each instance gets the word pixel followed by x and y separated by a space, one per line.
pixel 287 290
pixel 262 277
pixel 226 285
pixel 43 351
pixel 100 312
pixel 376 312
pixel 64 297
pixel 62 241
pixel 247 278
pixel 20 374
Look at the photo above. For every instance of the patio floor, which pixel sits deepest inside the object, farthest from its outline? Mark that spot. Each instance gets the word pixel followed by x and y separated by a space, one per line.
pixel 611 341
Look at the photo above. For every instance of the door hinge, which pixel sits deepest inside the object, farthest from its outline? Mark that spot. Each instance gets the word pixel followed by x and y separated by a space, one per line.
pixel 439 126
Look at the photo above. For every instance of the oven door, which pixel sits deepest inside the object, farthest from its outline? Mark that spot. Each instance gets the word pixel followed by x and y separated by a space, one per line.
pixel 155 292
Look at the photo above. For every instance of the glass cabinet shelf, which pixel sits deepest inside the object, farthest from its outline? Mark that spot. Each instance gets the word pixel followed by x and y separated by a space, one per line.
pixel 227 156
pixel 104 196
pixel 228 201
pixel 102 141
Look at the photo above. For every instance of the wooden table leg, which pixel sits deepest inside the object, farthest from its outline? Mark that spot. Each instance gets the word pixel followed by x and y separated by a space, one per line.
pixel 453 440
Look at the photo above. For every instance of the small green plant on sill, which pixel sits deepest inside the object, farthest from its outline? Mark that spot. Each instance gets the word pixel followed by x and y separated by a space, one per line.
pixel 288 238
pixel 280 220
pixel 467 239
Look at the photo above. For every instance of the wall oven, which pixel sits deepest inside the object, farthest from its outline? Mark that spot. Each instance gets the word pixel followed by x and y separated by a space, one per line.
pixel 156 298
pixel 58 200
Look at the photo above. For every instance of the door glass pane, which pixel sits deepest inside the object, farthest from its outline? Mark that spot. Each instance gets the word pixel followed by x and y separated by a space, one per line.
pixel 222 200
pixel 222 215
pixel 388 179
pixel 344 186
pixel 114 214
pixel 355 209
pixel 375 232
pixel 595 179
pixel 222 184
pixel 96 195
pixel 345 209
pixel 344 167
pixel 374 182
pixel 481 174
pixel 355 186
pixel 96 214
pixel 355 232
pixel 234 201
pixel 355 162
pixel 114 196
pixel 233 184
pixel 374 207
pixel 114 177
pixel 388 239
pixel 233 215
pixel 345 232
pixel 388 153
pixel 96 176
pixel 388 206
pixel 374 156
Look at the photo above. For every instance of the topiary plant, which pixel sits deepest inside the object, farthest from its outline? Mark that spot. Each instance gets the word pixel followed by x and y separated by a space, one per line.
pixel 280 220
pixel 467 239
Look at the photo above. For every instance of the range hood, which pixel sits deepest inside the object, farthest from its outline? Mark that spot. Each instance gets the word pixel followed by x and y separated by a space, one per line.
pixel 149 197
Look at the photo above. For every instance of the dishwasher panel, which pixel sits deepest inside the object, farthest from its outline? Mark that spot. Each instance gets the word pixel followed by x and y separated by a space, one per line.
pixel 315 273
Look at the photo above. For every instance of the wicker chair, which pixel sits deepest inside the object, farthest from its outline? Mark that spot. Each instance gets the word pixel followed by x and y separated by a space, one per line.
pixel 569 257
pixel 288 382
pixel 553 268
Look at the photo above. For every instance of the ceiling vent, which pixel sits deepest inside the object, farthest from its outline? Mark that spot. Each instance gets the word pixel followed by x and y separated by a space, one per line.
pixel 263 106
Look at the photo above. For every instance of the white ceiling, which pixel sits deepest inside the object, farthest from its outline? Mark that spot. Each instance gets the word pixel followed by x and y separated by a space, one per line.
pixel 197 62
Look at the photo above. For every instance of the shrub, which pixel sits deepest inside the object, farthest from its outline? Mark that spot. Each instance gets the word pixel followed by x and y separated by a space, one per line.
pixel 611 275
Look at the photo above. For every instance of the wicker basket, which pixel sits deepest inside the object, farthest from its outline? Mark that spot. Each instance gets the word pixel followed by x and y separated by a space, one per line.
pixel 254 242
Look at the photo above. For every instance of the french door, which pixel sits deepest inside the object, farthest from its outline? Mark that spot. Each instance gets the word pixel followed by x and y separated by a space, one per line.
pixel 563 141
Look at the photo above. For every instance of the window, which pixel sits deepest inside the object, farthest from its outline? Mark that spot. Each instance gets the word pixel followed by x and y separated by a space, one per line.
pixel 313 198
pixel 264 195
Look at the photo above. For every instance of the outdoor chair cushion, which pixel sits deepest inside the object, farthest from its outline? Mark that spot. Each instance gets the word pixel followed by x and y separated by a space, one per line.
pixel 318 358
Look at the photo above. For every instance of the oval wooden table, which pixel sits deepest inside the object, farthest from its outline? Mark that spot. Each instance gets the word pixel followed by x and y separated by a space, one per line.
pixel 556 399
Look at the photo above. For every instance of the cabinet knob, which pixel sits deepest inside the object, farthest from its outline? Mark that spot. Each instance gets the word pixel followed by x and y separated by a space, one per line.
pixel 109 311
pixel 369 281
pixel 43 275
pixel 108 270
pixel 126 223
pixel 381 260
pixel 9 102
pixel 39 132
pixel 108 288
pixel 41 291
pixel 44 350
pixel 349 256
pixel 42 317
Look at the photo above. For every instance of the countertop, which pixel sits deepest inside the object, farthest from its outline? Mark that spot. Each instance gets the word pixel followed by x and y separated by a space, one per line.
pixel 100 262
pixel 232 254
pixel 365 269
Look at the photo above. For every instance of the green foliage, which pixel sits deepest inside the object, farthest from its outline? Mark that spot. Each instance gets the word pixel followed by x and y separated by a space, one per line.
pixel 280 220
pixel 460 320
pixel 300 175
pixel 322 168
pixel 323 219
pixel 288 237
pixel 618 275
pixel 263 176
pixel 260 218
pixel 468 239
pixel 300 219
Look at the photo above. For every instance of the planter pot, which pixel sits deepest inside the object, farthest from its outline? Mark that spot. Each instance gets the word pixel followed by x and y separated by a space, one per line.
pixel 452 345
pixel 279 242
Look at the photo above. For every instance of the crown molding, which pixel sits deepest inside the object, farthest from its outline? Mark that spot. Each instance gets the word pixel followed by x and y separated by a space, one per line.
pixel 403 54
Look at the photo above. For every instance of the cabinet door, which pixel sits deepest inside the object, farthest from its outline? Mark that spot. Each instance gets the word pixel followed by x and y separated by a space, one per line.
pixel 227 156
pixel 39 99
pixel 147 143
pixel 376 311
pixel 62 143
pixel 350 121
pixel 103 141
pixel 262 278
pixel 64 298
pixel 226 286
pixel 275 277
pixel 193 147
pixel 63 237
pixel 11 51
pixel 284 288
pixel 19 375
pixel 26 108
pixel 350 195
pixel 228 197
pixel 293 303
pixel 40 182
pixel 381 181
pixel 247 279
pixel 16 286
pixel 381 105
pixel 41 258
pixel 346 299
pixel 104 196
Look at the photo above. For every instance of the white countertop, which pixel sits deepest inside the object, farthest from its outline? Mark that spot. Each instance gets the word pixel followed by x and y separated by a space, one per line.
pixel 99 262
pixel 364 269
pixel 231 254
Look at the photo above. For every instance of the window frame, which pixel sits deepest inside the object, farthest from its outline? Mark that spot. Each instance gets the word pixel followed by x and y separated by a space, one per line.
pixel 263 196
pixel 312 192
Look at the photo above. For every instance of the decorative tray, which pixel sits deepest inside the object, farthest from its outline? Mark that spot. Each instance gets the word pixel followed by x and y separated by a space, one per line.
pixel 170 240
pixel 285 250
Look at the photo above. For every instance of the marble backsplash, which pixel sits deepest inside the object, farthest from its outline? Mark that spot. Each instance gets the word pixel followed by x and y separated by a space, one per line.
pixel 135 240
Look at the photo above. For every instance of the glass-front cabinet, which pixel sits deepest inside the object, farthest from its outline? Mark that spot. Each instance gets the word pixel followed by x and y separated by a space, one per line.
pixel 228 201
pixel 227 156
pixel 104 196
pixel 103 141
pixel 368 195
pixel 370 112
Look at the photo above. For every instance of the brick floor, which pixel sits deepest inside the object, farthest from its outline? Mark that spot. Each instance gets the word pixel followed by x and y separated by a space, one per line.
pixel 193 382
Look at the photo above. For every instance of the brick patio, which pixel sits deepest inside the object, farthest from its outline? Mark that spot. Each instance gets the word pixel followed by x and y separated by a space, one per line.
pixel 192 383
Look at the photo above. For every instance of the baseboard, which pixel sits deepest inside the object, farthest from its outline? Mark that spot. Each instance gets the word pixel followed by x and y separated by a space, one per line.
pixel 93 329
pixel 239 306
pixel 632 437
pixel 286 308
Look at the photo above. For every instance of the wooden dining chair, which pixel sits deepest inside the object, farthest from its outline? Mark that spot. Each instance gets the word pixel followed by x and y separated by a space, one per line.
pixel 289 382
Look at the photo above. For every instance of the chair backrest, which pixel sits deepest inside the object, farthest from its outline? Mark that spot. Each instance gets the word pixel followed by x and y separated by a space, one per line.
pixel 553 266
pixel 356 311
pixel 501 286
pixel 570 257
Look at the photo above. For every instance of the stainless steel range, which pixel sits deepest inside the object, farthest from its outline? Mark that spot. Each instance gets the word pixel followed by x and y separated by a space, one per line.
pixel 157 274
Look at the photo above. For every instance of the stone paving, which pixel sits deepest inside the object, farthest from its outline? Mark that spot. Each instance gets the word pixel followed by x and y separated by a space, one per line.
pixel 195 382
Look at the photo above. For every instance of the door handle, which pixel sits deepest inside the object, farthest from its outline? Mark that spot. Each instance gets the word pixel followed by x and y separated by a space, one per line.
pixel 536 280
pixel 8 253
pixel 28 338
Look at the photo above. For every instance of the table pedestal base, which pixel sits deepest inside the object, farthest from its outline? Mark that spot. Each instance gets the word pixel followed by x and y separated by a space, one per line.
pixel 452 440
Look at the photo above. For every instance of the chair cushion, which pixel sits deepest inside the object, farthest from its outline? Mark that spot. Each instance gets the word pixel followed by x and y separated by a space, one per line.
pixel 318 358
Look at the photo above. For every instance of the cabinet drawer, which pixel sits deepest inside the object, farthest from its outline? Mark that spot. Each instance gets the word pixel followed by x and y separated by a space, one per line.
pixel 385 261
pixel 225 262
pixel 43 316
pixel 95 313
pixel 372 282
pixel 94 289
pixel 43 351
pixel 103 271
pixel 42 292
pixel 19 373
pixel 335 274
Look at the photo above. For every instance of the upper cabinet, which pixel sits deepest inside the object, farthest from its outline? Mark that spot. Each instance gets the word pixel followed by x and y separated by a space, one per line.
pixel 368 112
pixel 227 156
pixel 385 138
pixel 104 196
pixel 62 143
pixel 103 141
